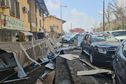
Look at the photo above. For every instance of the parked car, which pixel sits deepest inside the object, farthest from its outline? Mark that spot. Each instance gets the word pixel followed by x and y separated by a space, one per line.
pixel 69 38
pixel 120 35
pixel 119 64
pixel 100 49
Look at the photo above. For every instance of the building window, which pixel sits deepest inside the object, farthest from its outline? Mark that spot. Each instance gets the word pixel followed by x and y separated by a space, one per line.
pixel 5 3
pixel 53 28
pixel 14 8
pixel 40 13
pixel 17 10
pixel 28 1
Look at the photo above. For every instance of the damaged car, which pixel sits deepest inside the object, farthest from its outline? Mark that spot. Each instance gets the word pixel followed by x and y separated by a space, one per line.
pixel 119 64
pixel 100 49
pixel 69 38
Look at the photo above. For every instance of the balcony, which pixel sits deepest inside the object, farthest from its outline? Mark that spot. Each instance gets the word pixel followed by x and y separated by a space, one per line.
pixel 11 23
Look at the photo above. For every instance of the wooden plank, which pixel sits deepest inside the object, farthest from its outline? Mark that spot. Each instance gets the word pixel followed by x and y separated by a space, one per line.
pixel 75 66
pixel 39 82
pixel 93 72
pixel 89 64
pixel 50 78
pixel 69 56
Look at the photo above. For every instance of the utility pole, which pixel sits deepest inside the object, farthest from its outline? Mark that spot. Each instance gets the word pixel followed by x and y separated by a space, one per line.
pixel 103 15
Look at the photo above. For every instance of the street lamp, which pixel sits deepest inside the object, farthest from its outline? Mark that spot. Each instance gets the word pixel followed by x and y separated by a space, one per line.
pixel 61 6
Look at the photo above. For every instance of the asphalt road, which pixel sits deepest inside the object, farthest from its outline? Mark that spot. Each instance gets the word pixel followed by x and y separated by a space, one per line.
pixel 66 71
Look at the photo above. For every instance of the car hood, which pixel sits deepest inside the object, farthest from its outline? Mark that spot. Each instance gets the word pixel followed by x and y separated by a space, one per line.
pixel 68 38
pixel 105 44
pixel 120 37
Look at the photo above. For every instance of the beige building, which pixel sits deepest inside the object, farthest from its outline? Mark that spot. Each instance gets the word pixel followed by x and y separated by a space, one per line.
pixel 21 16
pixel 53 25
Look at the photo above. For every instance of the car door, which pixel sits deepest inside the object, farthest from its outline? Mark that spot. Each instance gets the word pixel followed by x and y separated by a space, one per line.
pixel 120 64
pixel 88 43
pixel 84 43
pixel 122 61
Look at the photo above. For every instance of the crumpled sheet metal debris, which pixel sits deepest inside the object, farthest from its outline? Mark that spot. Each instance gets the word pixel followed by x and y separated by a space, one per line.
pixel 69 56
pixel 50 66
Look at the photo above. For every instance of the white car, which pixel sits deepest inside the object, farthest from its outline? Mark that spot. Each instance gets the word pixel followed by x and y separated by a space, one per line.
pixel 120 35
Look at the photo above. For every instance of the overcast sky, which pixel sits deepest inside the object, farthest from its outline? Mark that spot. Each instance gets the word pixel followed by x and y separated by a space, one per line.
pixel 80 13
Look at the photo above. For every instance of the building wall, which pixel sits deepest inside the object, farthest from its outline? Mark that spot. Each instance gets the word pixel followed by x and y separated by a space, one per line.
pixel 39 20
pixel 33 15
pixel 36 18
pixel 52 21
pixel 29 20
pixel 24 16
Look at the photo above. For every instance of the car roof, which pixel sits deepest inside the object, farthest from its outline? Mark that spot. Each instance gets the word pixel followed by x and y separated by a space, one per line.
pixel 115 31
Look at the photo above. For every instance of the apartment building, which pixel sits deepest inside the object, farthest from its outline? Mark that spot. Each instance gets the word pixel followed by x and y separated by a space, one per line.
pixel 21 17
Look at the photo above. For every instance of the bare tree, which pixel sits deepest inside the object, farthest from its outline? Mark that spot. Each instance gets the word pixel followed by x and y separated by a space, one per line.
pixel 108 15
pixel 119 12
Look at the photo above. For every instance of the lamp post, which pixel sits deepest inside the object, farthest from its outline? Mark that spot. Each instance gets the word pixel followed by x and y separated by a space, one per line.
pixel 61 6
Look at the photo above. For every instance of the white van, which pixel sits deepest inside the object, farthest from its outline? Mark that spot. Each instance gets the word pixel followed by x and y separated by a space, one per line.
pixel 119 34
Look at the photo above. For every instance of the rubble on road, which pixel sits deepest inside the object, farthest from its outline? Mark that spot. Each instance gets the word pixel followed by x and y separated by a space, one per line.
pixel 49 63
pixel 62 73
pixel 93 72
pixel 64 66
pixel 69 56
pixel 31 59
pixel 76 65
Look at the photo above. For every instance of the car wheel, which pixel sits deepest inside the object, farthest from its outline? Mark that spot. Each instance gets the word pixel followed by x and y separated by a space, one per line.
pixel 116 79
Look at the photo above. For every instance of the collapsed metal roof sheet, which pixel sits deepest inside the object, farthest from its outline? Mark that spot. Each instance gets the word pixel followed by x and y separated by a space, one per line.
pixel 43 7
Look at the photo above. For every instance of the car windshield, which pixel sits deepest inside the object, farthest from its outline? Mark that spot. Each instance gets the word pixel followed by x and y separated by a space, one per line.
pixel 119 33
pixel 69 36
pixel 98 38
pixel 104 38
